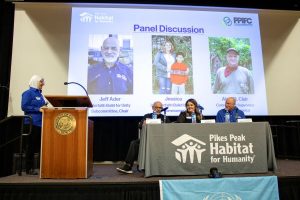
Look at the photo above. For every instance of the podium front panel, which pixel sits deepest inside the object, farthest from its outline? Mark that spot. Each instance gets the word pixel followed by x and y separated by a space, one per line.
pixel 65 146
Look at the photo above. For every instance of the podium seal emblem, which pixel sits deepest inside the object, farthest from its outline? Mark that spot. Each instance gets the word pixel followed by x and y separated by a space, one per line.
pixel 64 123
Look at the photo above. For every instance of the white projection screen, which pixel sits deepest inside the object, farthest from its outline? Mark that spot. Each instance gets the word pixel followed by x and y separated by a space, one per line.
pixel 62 42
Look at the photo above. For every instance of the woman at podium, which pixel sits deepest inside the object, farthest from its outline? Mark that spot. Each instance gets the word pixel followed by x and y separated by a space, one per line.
pixel 32 102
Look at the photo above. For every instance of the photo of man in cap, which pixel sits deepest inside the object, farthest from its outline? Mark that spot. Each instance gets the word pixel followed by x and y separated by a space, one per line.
pixel 232 78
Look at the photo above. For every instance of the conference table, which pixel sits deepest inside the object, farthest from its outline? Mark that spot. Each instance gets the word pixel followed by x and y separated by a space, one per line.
pixel 193 149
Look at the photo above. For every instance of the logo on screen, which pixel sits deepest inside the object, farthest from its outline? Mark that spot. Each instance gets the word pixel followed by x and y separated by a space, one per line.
pixel 237 21
pixel 103 18
pixel 244 21
pixel 227 21
pixel 86 17
pixel 188 149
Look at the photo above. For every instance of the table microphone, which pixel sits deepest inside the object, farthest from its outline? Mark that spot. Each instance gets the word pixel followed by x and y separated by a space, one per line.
pixel 164 109
pixel 200 107
pixel 165 116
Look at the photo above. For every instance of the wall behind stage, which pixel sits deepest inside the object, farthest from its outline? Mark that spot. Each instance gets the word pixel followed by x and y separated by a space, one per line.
pixel 280 32
pixel 41 46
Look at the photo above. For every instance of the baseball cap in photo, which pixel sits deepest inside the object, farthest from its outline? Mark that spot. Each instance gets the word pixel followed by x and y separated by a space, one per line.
pixel 232 49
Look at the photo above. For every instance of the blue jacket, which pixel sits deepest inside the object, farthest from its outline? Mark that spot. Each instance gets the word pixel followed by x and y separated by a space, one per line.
pixel 234 115
pixel 161 64
pixel 115 80
pixel 32 101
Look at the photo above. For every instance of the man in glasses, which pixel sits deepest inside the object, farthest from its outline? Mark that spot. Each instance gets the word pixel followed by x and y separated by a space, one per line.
pixel 133 150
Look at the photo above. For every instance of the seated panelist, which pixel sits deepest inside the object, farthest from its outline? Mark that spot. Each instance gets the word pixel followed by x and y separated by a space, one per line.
pixel 192 113
pixel 133 151
pixel 233 112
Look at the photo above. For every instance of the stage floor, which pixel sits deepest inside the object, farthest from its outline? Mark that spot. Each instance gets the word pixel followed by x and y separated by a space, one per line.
pixel 107 174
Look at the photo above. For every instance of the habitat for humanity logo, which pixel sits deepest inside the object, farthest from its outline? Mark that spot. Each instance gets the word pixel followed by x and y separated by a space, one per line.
pixel 188 145
pixel 222 195
pixel 86 17
pixel 237 21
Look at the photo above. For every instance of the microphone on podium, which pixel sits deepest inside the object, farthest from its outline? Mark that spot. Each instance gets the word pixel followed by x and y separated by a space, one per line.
pixel 67 83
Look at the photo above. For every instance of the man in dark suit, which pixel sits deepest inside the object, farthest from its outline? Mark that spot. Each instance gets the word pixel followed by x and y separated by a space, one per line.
pixel 133 150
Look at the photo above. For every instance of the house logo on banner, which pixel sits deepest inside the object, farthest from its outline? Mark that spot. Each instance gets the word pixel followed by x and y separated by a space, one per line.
pixel 222 195
pixel 188 145
pixel 229 148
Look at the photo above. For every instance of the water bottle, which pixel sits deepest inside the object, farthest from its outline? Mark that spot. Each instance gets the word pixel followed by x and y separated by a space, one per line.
pixel 194 118
pixel 154 115
pixel 227 116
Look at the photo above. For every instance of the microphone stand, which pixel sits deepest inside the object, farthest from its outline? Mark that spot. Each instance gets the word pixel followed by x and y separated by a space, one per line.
pixel 200 110
pixel 165 115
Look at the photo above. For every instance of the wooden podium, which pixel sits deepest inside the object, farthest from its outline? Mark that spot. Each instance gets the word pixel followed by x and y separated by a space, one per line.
pixel 67 138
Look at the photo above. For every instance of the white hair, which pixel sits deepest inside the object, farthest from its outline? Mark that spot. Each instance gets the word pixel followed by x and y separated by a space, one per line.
pixel 35 79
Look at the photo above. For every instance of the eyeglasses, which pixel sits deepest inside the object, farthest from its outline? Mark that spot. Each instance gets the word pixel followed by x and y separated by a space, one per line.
pixel 110 48
pixel 157 107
